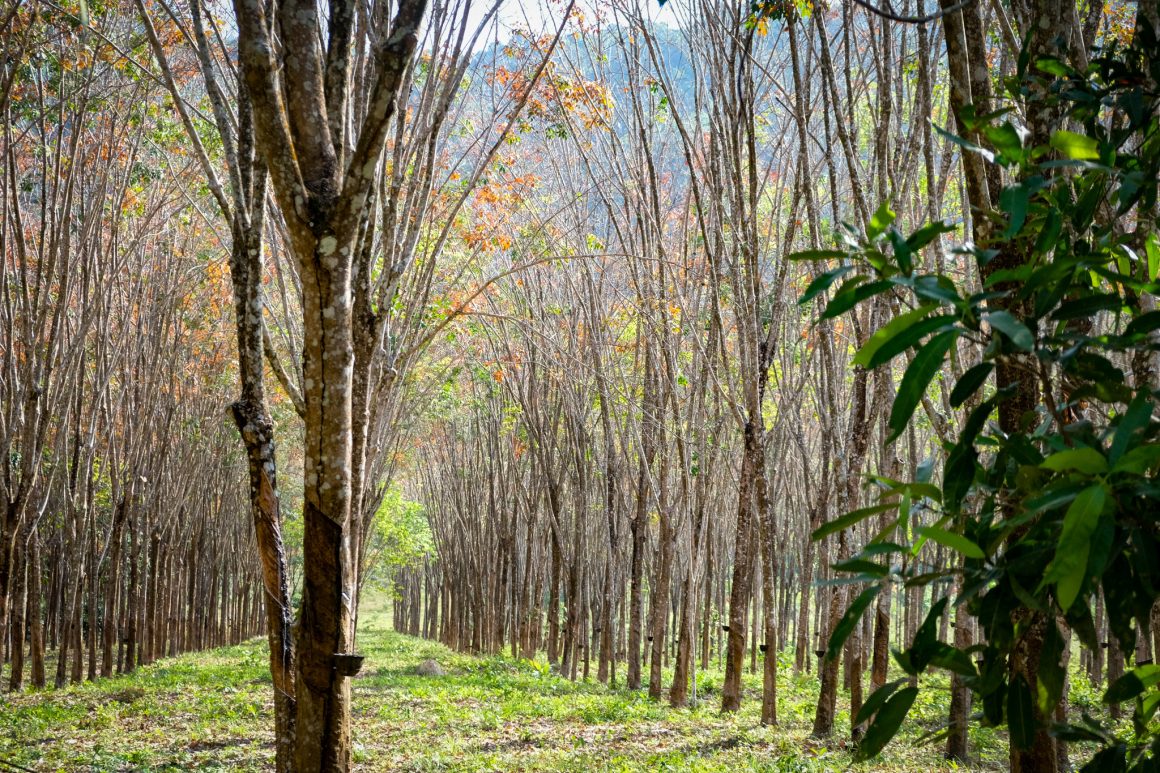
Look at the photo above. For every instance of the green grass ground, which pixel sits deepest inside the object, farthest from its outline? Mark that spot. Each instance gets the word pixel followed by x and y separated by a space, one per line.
pixel 211 712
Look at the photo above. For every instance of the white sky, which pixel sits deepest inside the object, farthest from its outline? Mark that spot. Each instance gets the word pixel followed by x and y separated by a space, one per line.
pixel 538 15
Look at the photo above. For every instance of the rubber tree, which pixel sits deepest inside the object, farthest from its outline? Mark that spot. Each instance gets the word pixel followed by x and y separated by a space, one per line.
pixel 323 161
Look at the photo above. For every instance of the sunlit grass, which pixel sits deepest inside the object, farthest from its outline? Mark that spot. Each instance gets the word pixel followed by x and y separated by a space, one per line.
pixel 211 711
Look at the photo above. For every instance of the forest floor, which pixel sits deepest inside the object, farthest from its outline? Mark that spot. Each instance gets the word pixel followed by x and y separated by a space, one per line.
pixel 211 711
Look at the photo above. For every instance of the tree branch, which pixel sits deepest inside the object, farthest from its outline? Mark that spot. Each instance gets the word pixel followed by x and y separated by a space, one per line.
pixel 256 58
pixel 393 56
pixel 280 373
pixel 889 13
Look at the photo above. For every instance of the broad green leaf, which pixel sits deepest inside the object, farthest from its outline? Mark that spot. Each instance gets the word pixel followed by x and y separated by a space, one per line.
pixel 1068 566
pixel 917 489
pixel 964 144
pixel 1111 759
pixel 1055 67
pixel 880 221
pixel 852 617
pixel 1020 713
pixel 848 297
pixel 1132 684
pixel 886 723
pixel 922 369
pixel 1089 461
pixel 1088 306
pixel 876 699
pixel 903 254
pixel 955 542
pixel 1014 200
pixel 928 233
pixel 1152 251
pixel 1138 416
pixel 1005 323
pixel 849 519
pixel 822 282
pixel 881 548
pixel 926 644
pixel 936 287
pixel 1075 146
pixel 1140 460
pixel 910 337
pixel 970 382
pixel 1143 324
pixel 1006 140
pixel 1049 685
pixel 863 566
pixel 954 660
pixel 889 331
pixel 959 471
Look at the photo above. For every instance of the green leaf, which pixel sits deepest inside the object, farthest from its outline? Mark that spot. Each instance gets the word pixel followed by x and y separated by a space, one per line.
pixel 970 382
pixel 876 699
pixel 849 519
pixel 922 369
pixel 917 489
pixel 1005 323
pixel 910 337
pixel 1014 200
pixel 1088 306
pixel 1138 416
pixel 959 471
pixel 853 615
pixel 822 282
pixel 1051 673
pixel 953 659
pixel 955 542
pixel 928 233
pixel 1152 250
pixel 964 144
pixel 1089 461
pixel 890 330
pixel 926 644
pixel 936 287
pixel 880 221
pixel 1132 684
pixel 1020 713
pixel 886 723
pixel 1069 565
pixel 861 565
pixel 848 297
pixel 1075 146
pixel 1055 67
pixel 903 254
pixel 1143 324
pixel 1140 460
pixel 1006 140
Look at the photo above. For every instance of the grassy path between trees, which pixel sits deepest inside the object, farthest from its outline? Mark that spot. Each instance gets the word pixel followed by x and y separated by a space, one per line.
pixel 210 711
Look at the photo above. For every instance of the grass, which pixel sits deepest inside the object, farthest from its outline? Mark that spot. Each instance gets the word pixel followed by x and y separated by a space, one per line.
pixel 211 711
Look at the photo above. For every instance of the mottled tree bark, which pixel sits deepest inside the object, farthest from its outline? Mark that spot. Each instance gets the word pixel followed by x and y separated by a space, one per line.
pixel 300 96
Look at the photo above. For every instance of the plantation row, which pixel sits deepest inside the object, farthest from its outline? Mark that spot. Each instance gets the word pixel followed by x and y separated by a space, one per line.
pixel 648 335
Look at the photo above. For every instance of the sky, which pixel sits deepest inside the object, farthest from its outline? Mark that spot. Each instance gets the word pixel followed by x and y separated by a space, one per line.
pixel 539 15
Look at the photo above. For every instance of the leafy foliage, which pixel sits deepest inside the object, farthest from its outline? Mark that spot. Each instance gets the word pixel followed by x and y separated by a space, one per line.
pixel 401 535
pixel 1066 506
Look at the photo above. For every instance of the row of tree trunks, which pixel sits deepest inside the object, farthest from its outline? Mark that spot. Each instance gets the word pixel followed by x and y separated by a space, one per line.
pixel 122 534
pixel 188 592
